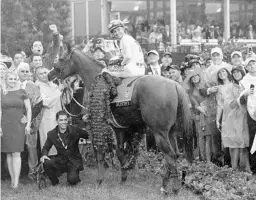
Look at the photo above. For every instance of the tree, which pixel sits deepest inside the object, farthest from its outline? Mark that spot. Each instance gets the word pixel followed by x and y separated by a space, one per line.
pixel 26 20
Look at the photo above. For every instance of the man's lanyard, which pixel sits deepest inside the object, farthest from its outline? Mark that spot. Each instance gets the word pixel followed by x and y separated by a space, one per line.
pixel 62 142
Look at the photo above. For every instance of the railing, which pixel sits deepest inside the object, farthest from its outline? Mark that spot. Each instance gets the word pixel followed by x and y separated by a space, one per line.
pixel 185 46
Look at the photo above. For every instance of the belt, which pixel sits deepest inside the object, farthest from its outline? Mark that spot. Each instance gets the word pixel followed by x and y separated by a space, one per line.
pixel 140 64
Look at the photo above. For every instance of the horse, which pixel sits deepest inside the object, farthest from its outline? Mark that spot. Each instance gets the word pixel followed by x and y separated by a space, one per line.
pixel 157 103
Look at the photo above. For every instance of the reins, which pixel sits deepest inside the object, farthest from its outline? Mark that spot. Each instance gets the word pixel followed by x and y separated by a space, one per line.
pixel 64 107
pixel 64 92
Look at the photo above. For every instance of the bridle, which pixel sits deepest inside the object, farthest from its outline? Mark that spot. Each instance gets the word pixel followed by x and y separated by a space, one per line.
pixel 66 62
pixel 64 107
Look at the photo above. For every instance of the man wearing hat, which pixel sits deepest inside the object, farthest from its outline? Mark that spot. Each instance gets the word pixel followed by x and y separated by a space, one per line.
pixel 166 60
pixel 153 67
pixel 237 58
pixel 248 97
pixel 133 58
pixel 210 73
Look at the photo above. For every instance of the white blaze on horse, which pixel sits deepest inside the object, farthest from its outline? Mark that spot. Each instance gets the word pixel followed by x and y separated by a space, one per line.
pixel 156 102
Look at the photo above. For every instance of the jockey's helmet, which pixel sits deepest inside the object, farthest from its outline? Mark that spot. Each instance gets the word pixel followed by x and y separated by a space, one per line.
pixel 115 24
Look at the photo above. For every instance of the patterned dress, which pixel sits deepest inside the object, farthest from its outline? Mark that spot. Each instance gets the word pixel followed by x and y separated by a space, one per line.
pixel 12 105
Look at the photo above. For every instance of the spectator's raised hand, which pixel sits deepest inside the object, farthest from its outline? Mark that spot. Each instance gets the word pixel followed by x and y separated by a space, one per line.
pixel 248 92
pixel 53 28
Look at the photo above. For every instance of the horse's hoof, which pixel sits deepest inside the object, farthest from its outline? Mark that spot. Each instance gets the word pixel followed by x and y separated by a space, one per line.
pixel 122 182
pixel 163 191
pixel 175 190
pixel 99 182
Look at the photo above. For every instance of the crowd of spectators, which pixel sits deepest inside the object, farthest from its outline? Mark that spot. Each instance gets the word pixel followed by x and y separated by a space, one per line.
pixel 159 33
pixel 24 82
pixel 221 96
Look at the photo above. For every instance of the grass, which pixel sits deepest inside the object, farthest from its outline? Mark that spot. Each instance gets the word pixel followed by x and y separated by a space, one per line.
pixel 139 186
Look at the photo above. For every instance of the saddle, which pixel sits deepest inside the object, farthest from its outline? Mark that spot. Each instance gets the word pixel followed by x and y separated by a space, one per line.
pixel 121 89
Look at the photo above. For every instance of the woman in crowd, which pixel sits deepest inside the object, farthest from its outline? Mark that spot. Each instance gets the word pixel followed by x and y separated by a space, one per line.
pixel 3 70
pixel 194 83
pixel 13 101
pixel 237 121
pixel 224 98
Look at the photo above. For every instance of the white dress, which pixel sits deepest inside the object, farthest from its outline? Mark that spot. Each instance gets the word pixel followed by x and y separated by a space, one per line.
pixel 52 104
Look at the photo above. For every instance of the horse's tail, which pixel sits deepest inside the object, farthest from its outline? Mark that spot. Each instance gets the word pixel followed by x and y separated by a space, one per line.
pixel 184 120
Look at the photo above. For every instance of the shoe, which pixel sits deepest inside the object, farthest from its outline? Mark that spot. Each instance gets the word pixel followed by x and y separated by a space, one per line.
pixel 54 183
pixel 15 187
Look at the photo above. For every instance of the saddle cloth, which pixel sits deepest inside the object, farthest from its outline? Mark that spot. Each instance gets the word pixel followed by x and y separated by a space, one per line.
pixel 124 91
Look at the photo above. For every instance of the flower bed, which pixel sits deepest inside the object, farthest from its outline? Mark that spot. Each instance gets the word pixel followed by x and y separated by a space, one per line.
pixel 209 180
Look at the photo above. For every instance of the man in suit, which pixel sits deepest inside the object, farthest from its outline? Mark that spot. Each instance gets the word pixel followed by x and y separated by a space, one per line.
pixel 65 138
pixel 153 67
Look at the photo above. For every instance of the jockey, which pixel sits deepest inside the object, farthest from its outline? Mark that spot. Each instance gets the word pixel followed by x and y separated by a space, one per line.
pixel 133 58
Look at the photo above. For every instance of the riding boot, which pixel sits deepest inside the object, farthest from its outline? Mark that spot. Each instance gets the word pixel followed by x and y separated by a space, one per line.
pixel 110 80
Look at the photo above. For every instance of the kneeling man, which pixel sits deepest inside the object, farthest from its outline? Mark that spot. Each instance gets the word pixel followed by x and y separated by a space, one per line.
pixel 65 138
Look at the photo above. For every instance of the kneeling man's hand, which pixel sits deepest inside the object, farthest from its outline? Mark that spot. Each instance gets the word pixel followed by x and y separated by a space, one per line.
pixel 44 158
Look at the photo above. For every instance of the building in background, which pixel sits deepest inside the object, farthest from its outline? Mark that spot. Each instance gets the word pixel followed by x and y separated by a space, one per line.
pixel 225 13
pixel 89 18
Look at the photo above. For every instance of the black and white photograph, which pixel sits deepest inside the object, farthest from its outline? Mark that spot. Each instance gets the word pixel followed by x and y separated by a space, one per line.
pixel 128 99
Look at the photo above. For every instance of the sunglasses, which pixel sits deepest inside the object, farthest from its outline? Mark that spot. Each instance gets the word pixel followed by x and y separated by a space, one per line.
pixel 24 71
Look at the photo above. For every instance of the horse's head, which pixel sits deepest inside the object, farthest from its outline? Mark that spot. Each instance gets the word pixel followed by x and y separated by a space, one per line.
pixel 65 66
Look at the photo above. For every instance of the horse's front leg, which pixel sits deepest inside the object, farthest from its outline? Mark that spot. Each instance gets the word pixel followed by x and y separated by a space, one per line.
pixel 100 164
pixel 122 160
pixel 120 139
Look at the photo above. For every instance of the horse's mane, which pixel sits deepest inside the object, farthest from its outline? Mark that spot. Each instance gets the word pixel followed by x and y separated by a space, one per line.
pixel 92 60
pixel 96 62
